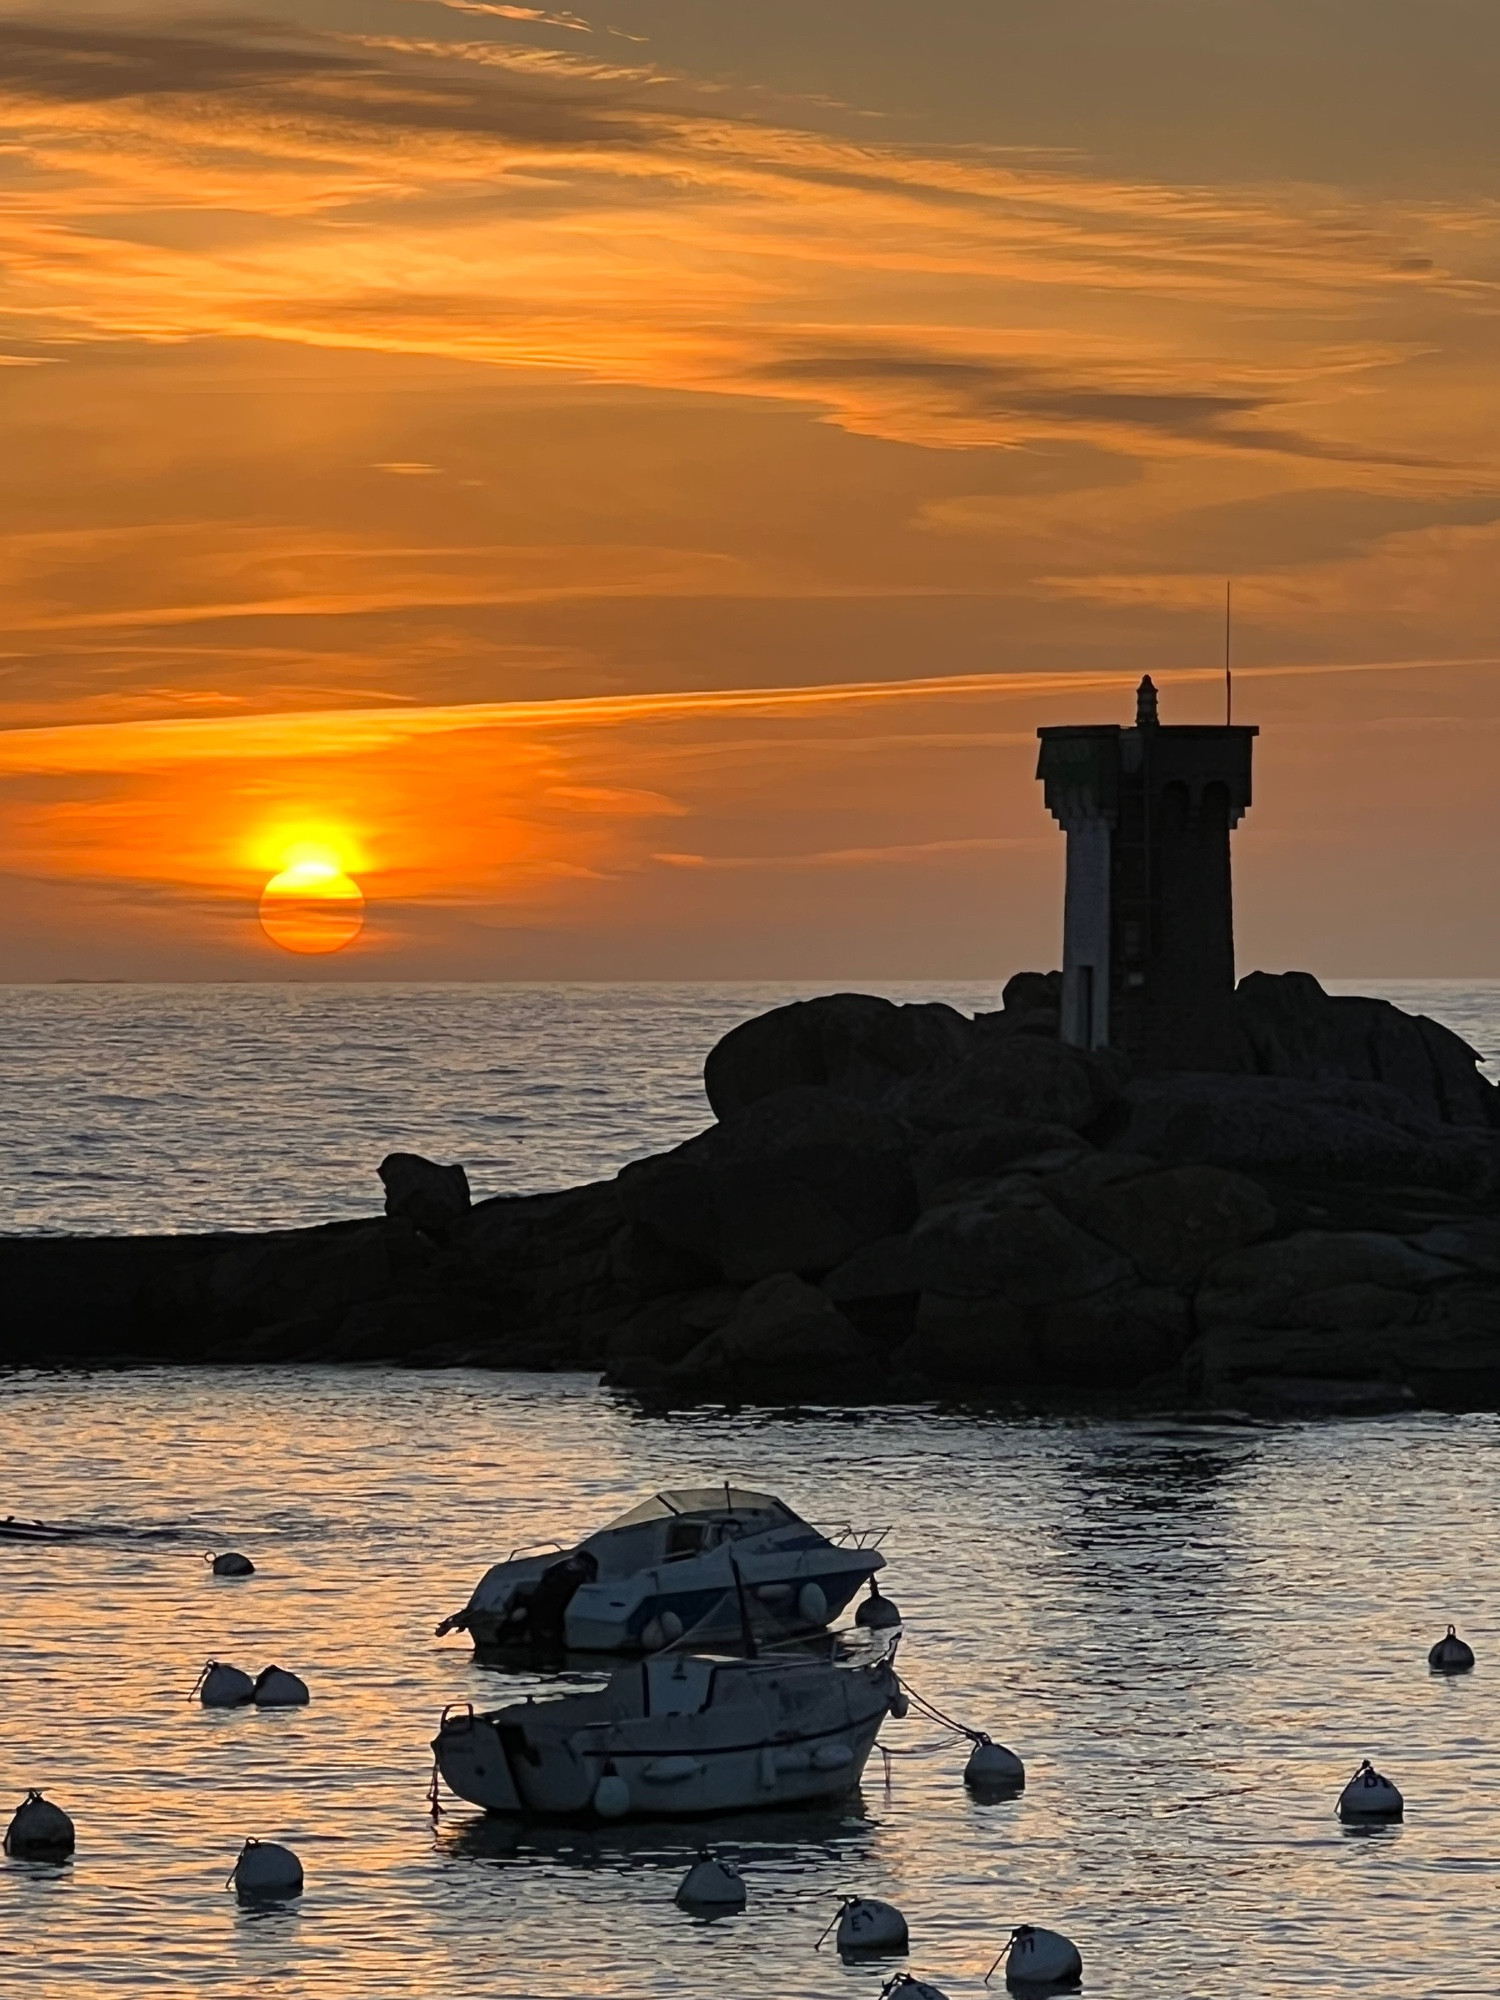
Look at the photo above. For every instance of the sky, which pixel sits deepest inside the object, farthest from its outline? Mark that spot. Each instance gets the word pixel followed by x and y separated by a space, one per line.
pixel 618 490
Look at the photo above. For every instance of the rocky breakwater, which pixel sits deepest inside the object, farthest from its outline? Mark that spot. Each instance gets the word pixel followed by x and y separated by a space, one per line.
pixel 900 1201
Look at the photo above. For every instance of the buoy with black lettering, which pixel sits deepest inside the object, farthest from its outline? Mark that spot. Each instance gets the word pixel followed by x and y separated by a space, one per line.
pixel 877 1613
pixel 866 1926
pixel 39 1831
pixel 993 1768
pixel 1450 1655
pixel 266 1872
pixel 230 1563
pixel 276 1688
pixel 712 1884
pixel 1038 1961
pixel 222 1686
pixel 1369 1796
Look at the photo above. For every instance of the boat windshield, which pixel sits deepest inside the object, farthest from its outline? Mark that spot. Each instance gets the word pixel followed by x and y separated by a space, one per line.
pixel 711 1501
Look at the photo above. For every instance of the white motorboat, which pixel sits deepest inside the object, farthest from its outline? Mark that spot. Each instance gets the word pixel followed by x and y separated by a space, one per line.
pixel 676 1565
pixel 675 1735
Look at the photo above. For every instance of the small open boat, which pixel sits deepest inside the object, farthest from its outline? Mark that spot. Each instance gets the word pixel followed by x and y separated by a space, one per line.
pixel 676 1735
pixel 668 1569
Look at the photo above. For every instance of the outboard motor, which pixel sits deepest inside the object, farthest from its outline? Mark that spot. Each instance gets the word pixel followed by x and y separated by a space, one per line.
pixel 538 1620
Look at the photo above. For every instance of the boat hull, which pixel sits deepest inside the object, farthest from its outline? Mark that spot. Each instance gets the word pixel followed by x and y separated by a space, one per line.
pixel 718 1766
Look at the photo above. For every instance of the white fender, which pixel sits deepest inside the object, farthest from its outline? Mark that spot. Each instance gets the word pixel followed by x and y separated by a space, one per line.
pixel 812 1604
pixel 611 1796
pixel 671 1770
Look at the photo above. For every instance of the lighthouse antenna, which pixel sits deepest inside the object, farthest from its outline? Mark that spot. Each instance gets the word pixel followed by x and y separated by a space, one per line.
pixel 1228 633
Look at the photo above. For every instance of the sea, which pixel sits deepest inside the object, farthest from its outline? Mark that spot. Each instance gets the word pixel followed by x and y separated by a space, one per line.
pixel 1191 1630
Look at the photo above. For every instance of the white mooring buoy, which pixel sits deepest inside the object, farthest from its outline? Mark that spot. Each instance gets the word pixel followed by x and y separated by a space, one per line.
pixel 266 1871
pixel 877 1613
pixel 864 1925
pixel 993 1768
pixel 1450 1655
pixel 276 1688
pixel 712 1884
pixel 1035 1959
pixel 39 1831
pixel 904 1987
pixel 231 1563
pixel 1369 1796
pixel 222 1686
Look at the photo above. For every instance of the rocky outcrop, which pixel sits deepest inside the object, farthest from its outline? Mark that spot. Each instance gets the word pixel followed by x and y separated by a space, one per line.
pixel 898 1201
pixel 422 1193
pixel 1288 1026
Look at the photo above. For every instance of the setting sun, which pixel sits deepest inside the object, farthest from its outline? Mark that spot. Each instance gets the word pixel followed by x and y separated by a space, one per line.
pixel 312 905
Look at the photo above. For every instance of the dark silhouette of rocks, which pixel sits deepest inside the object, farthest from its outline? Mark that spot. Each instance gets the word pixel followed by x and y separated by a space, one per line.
pixel 901 1202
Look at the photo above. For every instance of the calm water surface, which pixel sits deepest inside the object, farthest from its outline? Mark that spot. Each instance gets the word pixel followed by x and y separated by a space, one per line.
pixel 1192 1634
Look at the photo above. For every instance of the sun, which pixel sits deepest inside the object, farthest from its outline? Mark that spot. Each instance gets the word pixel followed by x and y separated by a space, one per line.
pixel 312 906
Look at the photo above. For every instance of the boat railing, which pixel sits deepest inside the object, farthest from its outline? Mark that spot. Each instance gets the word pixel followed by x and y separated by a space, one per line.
pixel 534 1549
pixel 844 1534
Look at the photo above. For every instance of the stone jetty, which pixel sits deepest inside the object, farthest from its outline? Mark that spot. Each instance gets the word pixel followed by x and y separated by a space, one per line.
pixel 901 1202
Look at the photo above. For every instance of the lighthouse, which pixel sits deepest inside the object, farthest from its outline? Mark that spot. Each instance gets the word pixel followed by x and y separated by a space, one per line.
pixel 1148 913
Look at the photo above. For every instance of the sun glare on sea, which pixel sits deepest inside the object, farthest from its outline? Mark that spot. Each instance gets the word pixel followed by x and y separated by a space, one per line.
pixel 312 905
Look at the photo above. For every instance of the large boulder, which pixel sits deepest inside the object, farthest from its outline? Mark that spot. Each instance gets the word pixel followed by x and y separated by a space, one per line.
pixel 1339 1280
pixel 854 1043
pixel 1009 1241
pixel 1288 1026
pixel 1105 1343
pixel 795 1182
pixel 988 1152
pixel 419 1191
pixel 1024 1078
pixel 1319 1132
pixel 1171 1223
pixel 783 1332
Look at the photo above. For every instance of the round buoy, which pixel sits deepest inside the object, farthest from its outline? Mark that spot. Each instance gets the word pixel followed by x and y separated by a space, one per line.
pixel 276 1688
pixel 223 1686
pixel 231 1563
pixel 265 1870
pixel 1369 1796
pixel 1034 1957
pixel 1450 1655
pixel 611 1796
pixel 904 1987
pixel 993 1768
pixel 866 1925
pixel 711 1884
pixel 39 1831
pixel 653 1638
pixel 877 1613
pixel 812 1605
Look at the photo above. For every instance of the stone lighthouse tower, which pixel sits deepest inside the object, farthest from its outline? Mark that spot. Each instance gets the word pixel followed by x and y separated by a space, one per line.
pixel 1148 920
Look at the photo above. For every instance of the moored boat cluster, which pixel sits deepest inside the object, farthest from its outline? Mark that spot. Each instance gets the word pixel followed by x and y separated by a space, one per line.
pixel 730 1693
